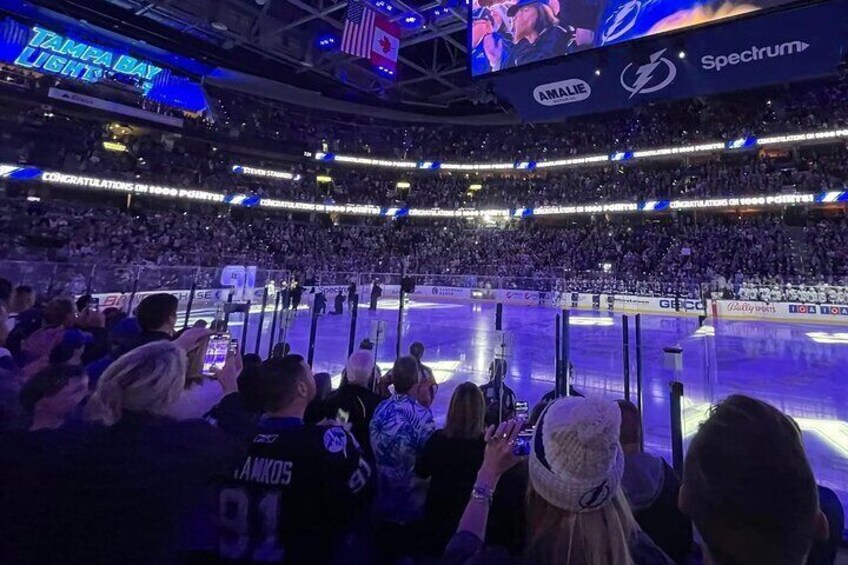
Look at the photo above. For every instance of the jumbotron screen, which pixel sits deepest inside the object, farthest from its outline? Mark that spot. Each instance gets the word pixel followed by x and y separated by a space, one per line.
pixel 507 34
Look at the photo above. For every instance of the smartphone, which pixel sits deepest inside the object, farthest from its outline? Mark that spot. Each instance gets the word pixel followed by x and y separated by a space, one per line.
pixel 94 304
pixel 216 353
pixel 522 410
pixel 523 442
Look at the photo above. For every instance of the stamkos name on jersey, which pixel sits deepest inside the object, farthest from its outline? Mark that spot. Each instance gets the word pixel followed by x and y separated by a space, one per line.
pixel 265 471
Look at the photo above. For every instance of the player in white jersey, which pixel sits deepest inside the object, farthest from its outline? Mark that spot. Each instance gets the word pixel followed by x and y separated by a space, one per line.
pixel 791 293
pixel 840 295
pixel 821 294
pixel 776 294
pixel 764 294
pixel 743 292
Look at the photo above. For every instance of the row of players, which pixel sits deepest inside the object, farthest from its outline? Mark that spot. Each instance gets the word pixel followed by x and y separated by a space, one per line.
pixel 818 294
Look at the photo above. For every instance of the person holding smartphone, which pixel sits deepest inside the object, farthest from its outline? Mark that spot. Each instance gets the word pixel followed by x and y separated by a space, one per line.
pixel 206 381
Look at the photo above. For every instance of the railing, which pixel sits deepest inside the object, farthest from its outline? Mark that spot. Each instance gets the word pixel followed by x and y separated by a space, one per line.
pixel 51 279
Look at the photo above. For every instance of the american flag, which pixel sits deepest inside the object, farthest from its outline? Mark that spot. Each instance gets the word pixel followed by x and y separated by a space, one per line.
pixel 358 30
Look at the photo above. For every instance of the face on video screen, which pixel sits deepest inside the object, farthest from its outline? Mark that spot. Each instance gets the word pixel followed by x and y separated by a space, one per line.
pixel 506 34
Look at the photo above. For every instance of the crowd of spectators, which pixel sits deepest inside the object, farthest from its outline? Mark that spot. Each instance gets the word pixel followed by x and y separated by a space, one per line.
pixel 683 249
pixel 119 444
pixel 801 107
pixel 54 139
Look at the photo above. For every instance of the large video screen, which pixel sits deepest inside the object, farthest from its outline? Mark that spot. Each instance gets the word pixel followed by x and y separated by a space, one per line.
pixel 506 34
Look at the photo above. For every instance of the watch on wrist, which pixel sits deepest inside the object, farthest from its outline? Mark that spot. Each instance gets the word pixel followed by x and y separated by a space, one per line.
pixel 482 493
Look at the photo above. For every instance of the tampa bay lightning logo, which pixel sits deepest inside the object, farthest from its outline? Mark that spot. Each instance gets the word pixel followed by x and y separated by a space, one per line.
pixel 621 21
pixel 595 497
pixel 653 76
pixel 335 440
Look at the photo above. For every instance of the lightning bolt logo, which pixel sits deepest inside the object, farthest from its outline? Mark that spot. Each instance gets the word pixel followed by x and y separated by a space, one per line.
pixel 621 21
pixel 646 74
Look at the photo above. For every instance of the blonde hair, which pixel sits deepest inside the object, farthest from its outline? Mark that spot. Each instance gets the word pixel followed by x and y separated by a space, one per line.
pixel 545 18
pixel 148 379
pixel 597 537
pixel 466 413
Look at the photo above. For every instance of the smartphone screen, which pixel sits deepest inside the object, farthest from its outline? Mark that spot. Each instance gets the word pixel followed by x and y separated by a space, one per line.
pixel 522 409
pixel 523 442
pixel 216 353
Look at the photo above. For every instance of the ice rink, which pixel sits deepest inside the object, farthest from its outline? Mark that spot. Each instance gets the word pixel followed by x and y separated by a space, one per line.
pixel 800 368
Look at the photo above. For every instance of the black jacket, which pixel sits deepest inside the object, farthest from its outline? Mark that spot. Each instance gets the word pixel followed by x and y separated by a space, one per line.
pixel 103 495
pixel 359 403
pixel 552 42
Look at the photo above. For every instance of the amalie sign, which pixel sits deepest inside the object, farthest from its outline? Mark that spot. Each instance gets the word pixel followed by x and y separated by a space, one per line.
pixel 50 52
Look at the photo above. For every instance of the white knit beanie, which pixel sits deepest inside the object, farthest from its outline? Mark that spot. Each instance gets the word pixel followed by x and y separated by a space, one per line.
pixel 576 462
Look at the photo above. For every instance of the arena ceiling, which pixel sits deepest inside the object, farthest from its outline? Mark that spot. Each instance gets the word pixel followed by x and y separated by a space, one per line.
pixel 279 39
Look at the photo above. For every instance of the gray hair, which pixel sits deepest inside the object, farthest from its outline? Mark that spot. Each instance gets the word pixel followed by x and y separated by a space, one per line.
pixel 148 379
pixel 360 367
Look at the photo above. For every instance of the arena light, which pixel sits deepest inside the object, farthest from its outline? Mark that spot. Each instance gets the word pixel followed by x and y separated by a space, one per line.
pixel 684 150
pixel 114 146
pixel 374 162
pixel 50 177
pixel 811 136
pixel 348 209
pixel 586 209
pixel 475 187
pixel 265 173
pixel 323 178
pixel 734 144
pixel 573 161
pixel 776 200
pixel 478 166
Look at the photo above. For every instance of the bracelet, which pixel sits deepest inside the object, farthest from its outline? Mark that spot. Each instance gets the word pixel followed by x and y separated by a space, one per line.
pixel 482 493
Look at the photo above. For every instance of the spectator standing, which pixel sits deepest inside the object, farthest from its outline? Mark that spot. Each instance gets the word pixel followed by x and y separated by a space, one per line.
pixel 652 487
pixel 59 315
pixel 450 459
pixel 317 411
pixel 576 510
pixel 338 304
pixel 399 430
pixel 376 293
pixel 52 395
pixel 748 486
pixel 354 401
pixel 428 386
pixel 500 399
pixel 119 492
pixel 301 490
pixel 157 316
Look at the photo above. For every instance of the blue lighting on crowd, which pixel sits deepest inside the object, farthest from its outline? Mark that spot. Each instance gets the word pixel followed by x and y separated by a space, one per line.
pixel 326 42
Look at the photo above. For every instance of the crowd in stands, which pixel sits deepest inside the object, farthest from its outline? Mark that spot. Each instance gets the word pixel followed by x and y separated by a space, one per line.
pixel 119 444
pixel 755 249
pixel 58 140
pixel 802 107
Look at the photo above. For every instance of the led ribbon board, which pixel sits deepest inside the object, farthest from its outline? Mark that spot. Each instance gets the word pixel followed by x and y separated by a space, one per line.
pixel 27 173
pixel 52 53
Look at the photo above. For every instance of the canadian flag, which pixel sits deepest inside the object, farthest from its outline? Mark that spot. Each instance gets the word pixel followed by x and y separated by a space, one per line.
pixel 386 44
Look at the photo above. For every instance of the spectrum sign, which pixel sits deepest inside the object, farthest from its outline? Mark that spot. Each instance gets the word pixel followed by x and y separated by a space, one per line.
pixel 52 53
